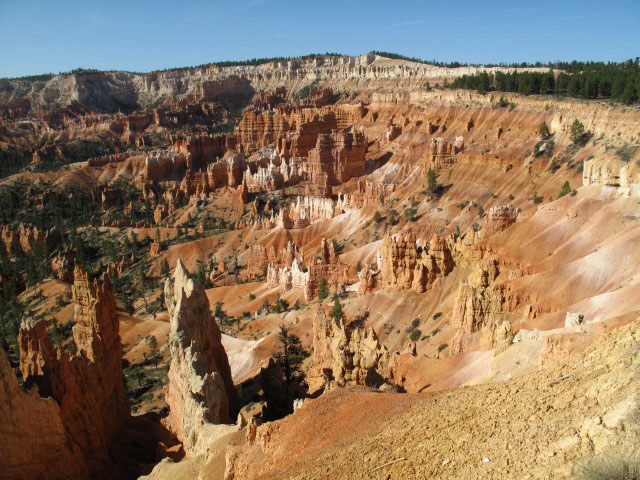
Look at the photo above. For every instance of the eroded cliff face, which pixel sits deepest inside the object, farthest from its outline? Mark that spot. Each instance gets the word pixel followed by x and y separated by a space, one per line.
pixel 346 355
pixel 26 237
pixel 482 306
pixel 81 426
pixel 613 172
pixel 498 218
pixel 308 275
pixel 32 432
pixel 405 263
pixel 200 392
pixel 336 158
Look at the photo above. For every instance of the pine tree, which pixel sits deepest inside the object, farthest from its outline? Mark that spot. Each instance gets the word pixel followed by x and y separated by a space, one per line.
pixel 323 290
pixel 336 312
pixel 290 356
pixel 432 184
pixel 578 134
pixel 543 130
pixel 164 268
pixel 565 190
pixel 153 346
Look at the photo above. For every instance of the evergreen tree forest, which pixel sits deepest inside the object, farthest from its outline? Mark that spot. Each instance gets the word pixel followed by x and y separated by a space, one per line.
pixel 589 80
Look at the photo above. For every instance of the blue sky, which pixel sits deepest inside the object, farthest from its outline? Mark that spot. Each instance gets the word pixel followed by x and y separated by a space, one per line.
pixel 140 35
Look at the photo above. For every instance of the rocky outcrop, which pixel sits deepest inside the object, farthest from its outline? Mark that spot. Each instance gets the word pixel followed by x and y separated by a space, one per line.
pixel 336 158
pixel 203 149
pixel 346 355
pixel 163 164
pixel 307 210
pixel 260 257
pixel 573 319
pixel 405 263
pixel 26 237
pixel 304 132
pixel 62 265
pixel 612 172
pixel 442 152
pixel 497 219
pixel 308 276
pixel 265 179
pixel 154 248
pixel 368 280
pixel 200 392
pixel 482 306
pixel 34 441
pixel 476 303
pixel 367 194
pixel 87 386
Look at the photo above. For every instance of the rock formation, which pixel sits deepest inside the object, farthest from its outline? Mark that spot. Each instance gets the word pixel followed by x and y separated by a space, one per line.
pixel 260 257
pixel 25 238
pixel 404 263
pixel 87 386
pixel 368 280
pixel 482 305
pixel 336 158
pixel 62 265
pixel 200 393
pixel 308 276
pixel 498 218
pixel 368 193
pixel 34 440
pixel 612 172
pixel 345 355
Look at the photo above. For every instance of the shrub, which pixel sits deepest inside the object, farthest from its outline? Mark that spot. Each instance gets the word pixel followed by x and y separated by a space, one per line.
pixel 535 198
pixel 442 347
pixel 502 103
pixel 415 335
pixel 543 130
pixel 626 152
pixel 614 466
pixel 252 297
pixel 565 190
pixel 410 214
pixel 437 315
pixel 377 217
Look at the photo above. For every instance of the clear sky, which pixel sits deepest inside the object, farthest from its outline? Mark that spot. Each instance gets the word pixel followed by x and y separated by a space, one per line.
pixel 140 35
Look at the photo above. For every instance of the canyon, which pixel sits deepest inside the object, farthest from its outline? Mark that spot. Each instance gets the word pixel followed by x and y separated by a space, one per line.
pixel 268 271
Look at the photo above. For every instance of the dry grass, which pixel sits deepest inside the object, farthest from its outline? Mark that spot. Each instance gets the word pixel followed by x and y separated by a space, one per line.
pixel 624 465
